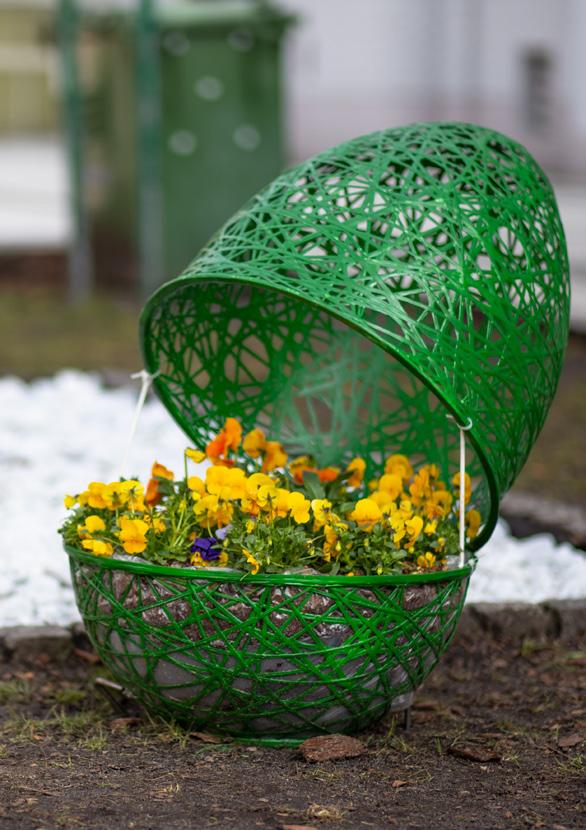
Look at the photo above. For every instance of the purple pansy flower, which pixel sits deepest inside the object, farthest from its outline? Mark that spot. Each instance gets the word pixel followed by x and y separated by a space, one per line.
pixel 207 548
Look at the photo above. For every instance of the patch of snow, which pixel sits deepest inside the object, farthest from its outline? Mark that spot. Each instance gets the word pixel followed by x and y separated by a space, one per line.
pixel 58 434
pixel 527 570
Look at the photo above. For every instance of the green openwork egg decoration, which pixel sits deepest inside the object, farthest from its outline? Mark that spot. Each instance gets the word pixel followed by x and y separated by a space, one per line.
pixel 369 293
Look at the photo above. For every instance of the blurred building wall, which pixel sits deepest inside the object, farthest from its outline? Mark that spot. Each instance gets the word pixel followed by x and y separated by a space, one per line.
pixel 29 68
pixel 515 65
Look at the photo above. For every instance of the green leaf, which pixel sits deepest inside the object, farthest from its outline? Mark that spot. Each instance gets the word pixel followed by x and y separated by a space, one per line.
pixel 313 486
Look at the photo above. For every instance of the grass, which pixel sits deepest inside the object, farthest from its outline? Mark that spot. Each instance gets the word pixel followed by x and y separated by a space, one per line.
pixel 574 765
pixel 15 691
pixel 556 467
pixel 70 697
pixel 41 334
pixel 84 728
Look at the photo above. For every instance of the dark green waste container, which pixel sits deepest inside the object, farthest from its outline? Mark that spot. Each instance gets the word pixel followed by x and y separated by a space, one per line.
pixel 180 123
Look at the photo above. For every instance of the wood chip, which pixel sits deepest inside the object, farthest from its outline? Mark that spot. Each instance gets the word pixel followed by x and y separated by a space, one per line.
pixel 570 740
pixel 207 738
pixel 474 753
pixel 331 748
pixel 397 784
pixel 87 656
pixel 297 827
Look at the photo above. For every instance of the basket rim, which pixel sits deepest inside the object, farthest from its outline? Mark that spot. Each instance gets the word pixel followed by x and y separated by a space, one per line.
pixel 151 364
pixel 307 580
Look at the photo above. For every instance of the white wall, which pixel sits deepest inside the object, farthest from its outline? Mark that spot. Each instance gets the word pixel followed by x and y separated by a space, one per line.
pixel 360 65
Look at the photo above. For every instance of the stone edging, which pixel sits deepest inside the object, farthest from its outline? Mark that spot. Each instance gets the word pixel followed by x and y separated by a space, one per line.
pixel 555 620
pixel 528 514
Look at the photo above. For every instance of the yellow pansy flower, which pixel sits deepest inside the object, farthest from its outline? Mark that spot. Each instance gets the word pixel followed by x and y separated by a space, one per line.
pixel 94 496
pixel 357 467
pixel 473 522
pixel 421 488
pixel 249 502
pixel 397 523
pixel 406 509
pixel 426 560
pixel 98 547
pixel 331 544
pixel 93 524
pixel 159 525
pixel 257 480
pixel 266 495
pixel 128 494
pixel 366 514
pixel 321 511
pixel 298 507
pixel 160 471
pixel 196 455
pixel 196 485
pixel 210 510
pixel 384 499
pixel 69 501
pixel 399 465
pixel 392 484
pixel 442 502
pixel 414 527
pixel 133 534
pixel 228 483
pixel 251 561
pixel 279 505
pixel 134 492
pixel 254 443
pixel 274 456
pixel 430 528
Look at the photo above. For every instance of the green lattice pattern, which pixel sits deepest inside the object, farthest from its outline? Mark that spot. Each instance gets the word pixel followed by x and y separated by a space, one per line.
pixel 369 292
pixel 269 656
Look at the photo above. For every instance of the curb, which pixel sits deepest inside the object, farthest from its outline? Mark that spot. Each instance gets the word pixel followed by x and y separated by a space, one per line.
pixel 527 514
pixel 561 621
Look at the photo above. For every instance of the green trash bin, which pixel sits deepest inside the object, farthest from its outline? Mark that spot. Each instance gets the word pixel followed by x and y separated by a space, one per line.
pixel 180 110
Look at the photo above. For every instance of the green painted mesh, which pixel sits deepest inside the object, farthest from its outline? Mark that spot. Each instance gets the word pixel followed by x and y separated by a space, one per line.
pixel 277 657
pixel 368 293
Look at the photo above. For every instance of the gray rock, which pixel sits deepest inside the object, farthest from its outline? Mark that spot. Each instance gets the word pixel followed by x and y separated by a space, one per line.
pixel 79 636
pixel 26 642
pixel 514 622
pixel 570 618
pixel 469 628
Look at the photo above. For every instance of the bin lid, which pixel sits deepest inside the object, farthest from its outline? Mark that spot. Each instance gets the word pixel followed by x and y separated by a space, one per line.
pixel 198 14
pixel 201 13
pixel 372 292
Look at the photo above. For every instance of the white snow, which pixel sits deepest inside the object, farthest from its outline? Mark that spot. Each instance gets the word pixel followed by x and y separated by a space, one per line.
pixel 58 434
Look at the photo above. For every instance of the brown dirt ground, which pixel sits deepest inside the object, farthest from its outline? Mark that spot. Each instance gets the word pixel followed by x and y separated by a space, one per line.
pixel 65 761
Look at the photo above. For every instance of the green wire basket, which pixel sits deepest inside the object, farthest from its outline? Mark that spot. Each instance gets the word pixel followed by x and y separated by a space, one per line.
pixel 266 657
pixel 370 300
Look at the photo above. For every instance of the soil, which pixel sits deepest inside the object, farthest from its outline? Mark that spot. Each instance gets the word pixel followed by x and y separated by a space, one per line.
pixel 497 740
